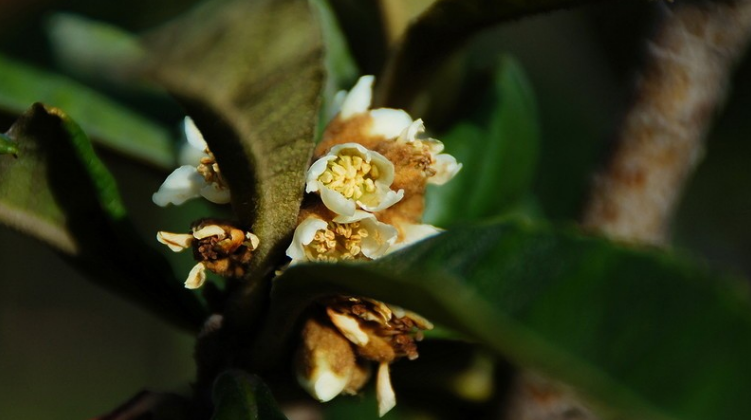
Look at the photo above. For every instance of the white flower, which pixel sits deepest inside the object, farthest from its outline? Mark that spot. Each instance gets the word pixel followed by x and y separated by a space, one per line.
pixel 194 147
pixel 443 167
pixel 199 175
pixel 387 122
pixel 360 236
pixel 351 176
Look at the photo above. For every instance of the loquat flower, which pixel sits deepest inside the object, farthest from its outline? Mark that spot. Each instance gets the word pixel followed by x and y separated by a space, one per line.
pixel 359 237
pixel 199 175
pixel 218 246
pixel 351 176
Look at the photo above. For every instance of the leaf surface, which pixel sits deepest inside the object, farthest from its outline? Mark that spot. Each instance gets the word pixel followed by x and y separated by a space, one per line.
pixel 59 192
pixel 497 146
pixel 650 334
pixel 109 123
pixel 250 73
pixel 441 30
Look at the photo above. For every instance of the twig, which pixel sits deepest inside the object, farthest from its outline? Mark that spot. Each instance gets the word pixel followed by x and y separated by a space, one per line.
pixel 682 86
pixel 661 141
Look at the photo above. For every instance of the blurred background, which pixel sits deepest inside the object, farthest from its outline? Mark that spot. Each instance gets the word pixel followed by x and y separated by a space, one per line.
pixel 71 350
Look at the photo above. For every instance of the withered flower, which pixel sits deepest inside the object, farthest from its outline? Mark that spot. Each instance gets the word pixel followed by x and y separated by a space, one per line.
pixel 373 331
pixel 218 246
pixel 325 363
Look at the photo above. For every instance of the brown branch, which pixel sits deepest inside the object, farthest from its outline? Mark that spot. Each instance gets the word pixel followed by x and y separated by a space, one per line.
pixel 661 141
pixel 683 84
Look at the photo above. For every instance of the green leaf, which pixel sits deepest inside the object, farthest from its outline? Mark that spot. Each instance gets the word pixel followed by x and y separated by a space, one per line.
pixel 650 334
pixel 498 147
pixel 250 73
pixel 92 49
pixel 109 123
pixel 439 32
pixel 59 192
pixel 239 395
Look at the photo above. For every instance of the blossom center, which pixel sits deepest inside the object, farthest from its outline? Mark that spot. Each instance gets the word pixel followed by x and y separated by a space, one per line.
pixel 338 241
pixel 350 175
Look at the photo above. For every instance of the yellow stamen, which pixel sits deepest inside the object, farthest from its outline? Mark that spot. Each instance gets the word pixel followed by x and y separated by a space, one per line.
pixel 338 241
pixel 350 176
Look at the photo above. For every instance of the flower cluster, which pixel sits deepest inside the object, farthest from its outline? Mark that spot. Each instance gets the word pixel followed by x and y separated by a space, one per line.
pixel 366 194
pixel 367 185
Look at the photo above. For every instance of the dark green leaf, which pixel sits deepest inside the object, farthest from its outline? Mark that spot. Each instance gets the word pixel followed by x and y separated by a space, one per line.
pixel 58 191
pixel 363 23
pixel 239 395
pixel 250 73
pixel 253 86
pixel 498 147
pixel 110 124
pixel 440 31
pixel 649 333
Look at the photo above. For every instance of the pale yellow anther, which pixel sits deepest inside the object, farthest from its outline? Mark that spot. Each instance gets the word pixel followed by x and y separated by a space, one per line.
pixel 338 169
pixel 339 241
pixel 350 176
pixel 326 177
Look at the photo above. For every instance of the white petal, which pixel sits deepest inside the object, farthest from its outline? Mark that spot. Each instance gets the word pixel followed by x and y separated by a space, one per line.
pixel 384 391
pixel 389 122
pixel 364 152
pixel 445 167
pixel 304 235
pixel 381 237
pixel 209 230
pixel 317 169
pixel 356 216
pixel 193 150
pixel 349 327
pixel 434 146
pixel 177 242
pixel 323 384
pixel 358 99
pixel 387 199
pixel 384 165
pixel 414 232
pixel 410 133
pixel 196 277
pixel 215 194
pixel 180 186
pixel 337 202
pixel 252 239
